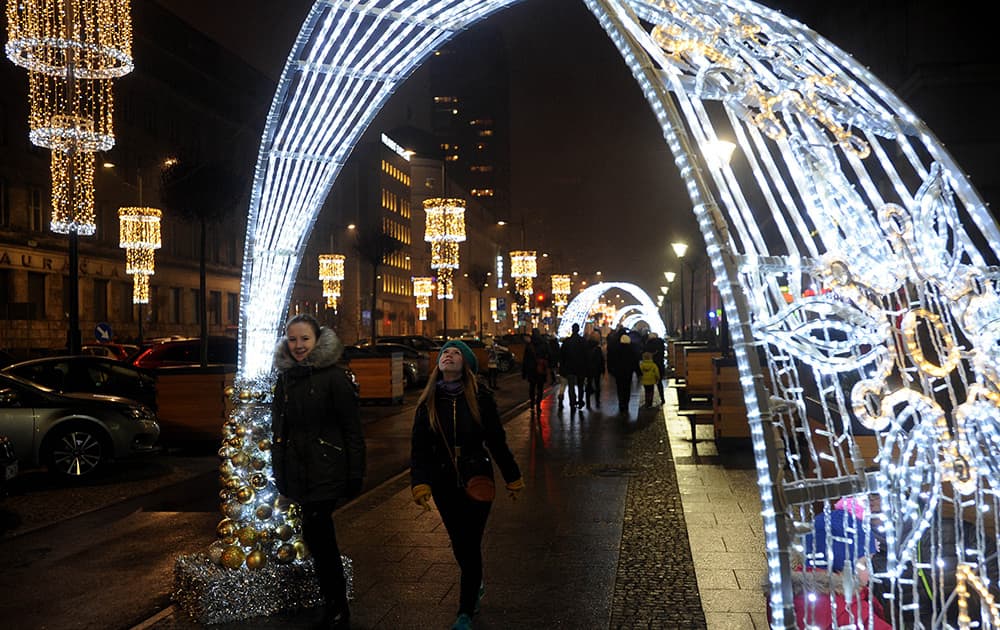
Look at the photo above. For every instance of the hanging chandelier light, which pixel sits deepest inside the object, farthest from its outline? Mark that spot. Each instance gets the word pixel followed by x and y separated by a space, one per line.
pixel 423 288
pixel 83 39
pixel 523 268
pixel 140 288
pixel 70 114
pixel 331 272
pixel 561 287
pixel 444 229
pixel 493 310
pixel 73 193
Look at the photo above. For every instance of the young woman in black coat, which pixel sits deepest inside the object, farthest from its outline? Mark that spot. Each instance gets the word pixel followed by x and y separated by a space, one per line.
pixel 318 450
pixel 455 419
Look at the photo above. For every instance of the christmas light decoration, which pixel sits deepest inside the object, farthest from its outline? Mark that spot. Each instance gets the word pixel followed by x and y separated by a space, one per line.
pixel 561 288
pixel 523 268
pixel 445 229
pixel 70 115
pixel 140 288
pixel 588 302
pixel 423 288
pixel 83 39
pixel 73 193
pixel 331 272
pixel 139 236
pixel 886 250
pixel 493 310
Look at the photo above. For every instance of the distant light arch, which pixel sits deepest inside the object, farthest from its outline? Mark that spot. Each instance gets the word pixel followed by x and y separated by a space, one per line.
pixel 578 310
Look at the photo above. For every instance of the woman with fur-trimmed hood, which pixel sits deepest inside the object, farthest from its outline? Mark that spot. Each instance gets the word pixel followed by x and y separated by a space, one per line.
pixel 318 449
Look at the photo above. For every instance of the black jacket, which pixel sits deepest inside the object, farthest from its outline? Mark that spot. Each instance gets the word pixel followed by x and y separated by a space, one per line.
pixel 573 356
pixel 317 441
pixel 430 460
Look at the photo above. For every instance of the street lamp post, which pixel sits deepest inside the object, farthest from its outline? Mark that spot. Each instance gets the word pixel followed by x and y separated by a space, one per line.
pixel 679 250
pixel 670 276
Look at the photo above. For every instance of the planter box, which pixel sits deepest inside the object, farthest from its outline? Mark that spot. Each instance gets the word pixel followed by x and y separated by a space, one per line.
pixel 191 401
pixel 380 379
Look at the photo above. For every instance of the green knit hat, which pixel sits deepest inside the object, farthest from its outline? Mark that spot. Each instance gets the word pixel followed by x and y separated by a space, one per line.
pixel 467 354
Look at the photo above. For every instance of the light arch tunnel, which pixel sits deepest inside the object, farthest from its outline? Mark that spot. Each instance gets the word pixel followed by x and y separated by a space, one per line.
pixel 644 311
pixel 839 199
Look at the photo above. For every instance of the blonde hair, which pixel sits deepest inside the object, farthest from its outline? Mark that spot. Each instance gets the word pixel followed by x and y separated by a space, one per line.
pixel 428 398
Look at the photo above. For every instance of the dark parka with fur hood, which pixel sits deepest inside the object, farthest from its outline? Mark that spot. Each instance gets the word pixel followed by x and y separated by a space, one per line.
pixel 317 441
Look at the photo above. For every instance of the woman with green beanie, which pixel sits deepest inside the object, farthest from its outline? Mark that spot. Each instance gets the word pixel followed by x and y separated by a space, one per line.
pixel 457 425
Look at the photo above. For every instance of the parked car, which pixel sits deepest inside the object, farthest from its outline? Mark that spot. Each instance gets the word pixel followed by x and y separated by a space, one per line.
pixel 90 375
pixel 187 352
pixel 8 464
pixel 119 351
pixel 73 435
pixel 416 364
pixel 505 358
pixel 6 358
pixel 417 342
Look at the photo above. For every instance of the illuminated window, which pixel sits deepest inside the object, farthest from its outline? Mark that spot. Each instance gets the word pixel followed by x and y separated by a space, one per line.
pixel 445 99
pixel 485 132
pixel 480 146
pixel 481 122
pixel 481 168
pixel 481 192
pixel 451 158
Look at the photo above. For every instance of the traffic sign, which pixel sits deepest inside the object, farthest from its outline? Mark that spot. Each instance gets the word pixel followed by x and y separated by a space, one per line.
pixel 102 332
pixel 502 304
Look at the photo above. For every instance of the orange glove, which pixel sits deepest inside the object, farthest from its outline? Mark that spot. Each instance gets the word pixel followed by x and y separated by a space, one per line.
pixel 514 488
pixel 422 496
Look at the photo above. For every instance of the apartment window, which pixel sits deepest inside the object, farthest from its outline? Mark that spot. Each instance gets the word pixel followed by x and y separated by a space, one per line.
pixel 128 312
pixel 35 210
pixel 175 305
pixel 100 310
pixel 36 293
pixel 4 203
pixel 196 301
pixel 215 308
pixel 232 308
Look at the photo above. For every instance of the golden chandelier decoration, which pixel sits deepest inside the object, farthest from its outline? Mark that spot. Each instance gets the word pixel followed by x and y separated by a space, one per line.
pixel 523 267
pixel 139 236
pixel 331 272
pixel 444 229
pixel 561 287
pixel 423 288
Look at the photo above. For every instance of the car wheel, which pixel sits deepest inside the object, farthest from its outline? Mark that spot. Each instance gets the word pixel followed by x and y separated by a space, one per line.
pixel 76 451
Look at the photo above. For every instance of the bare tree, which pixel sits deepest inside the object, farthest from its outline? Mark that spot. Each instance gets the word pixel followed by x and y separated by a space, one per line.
pixel 373 247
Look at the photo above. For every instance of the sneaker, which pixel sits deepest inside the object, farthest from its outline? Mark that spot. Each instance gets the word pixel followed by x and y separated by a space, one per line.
pixel 462 622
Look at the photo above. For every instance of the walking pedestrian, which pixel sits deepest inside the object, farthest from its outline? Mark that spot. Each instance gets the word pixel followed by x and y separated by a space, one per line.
pixel 650 376
pixel 622 364
pixel 492 364
pixel 573 366
pixel 595 368
pixel 456 423
pixel 318 449
pixel 655 346
pixel 535 368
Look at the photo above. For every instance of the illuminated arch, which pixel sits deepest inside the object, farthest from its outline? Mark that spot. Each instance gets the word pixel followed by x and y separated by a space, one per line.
pixel 578 310
pixel 859 200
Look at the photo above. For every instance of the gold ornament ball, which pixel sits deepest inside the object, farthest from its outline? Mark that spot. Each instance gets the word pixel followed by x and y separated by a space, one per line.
pixel 245 395
pixel 284 531
pixel 233 557
pixel 247 535
pixel 245 494
pixel 258 481
pixel 294 511
pixel 264 512
pixel 285 553
pixel 233 483
pixel 229 391
pixel 264 445
pixel 265 536
pixel 225 452
pixel 226 527
pixel 233 509
pixel 257 463
pixel 224 494
pixel 234 442
pixel 283 503
pixel 301 551
pixel 215 551
pixel 241 430
pixel 240 459
pixel 256 559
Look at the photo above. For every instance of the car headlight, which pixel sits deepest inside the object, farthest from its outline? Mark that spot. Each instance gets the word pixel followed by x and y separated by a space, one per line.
pixel 140 413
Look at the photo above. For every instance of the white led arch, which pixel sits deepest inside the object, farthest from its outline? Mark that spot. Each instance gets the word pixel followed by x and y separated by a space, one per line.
pixel 867 216
pixel 579 308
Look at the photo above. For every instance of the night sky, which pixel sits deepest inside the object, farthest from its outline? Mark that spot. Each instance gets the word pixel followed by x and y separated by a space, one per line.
pixel 590 171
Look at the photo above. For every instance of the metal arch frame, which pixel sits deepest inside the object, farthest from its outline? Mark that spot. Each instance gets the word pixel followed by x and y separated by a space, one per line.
pixel 346 62
pixel 579 308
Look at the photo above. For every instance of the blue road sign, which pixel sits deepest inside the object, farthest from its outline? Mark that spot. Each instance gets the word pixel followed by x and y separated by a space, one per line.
pixel 502 304
pixel 102 332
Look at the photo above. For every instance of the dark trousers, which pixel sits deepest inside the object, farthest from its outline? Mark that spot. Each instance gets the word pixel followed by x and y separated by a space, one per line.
pixel 465 521
pixel 536 390
pixel 575 384
pixel 594 387
pixel 648 389
pixel 624 385
pixel 321 538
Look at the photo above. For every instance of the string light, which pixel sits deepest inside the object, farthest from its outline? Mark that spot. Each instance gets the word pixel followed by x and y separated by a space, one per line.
pixel 423 288
pixel 331 272
pixel 73 193
pixel 523 268
pixel 445 220
pixel 83 39
pixel 67 115
pixel 139 235
pixel 140 288
pixel 561 288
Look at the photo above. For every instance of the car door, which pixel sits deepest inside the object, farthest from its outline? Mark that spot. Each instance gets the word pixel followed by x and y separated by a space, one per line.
pixel 17 418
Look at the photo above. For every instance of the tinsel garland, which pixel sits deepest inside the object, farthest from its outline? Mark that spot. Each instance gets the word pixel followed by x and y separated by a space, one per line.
pixel 210 593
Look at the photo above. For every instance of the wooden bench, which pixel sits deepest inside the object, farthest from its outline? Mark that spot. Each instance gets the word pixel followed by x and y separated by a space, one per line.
pixel 675 356
pixel 729 406
pixel 697 389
